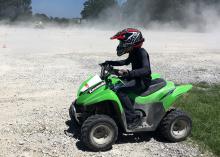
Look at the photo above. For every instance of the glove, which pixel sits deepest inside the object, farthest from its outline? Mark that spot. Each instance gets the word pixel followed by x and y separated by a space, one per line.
pixel 124 73
pixel 105 63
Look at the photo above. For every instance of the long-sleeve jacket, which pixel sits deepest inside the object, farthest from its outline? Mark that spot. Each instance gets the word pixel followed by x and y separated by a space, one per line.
pixel 140 62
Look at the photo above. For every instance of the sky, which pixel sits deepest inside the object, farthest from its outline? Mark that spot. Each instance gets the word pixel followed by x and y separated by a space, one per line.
pixel 60 8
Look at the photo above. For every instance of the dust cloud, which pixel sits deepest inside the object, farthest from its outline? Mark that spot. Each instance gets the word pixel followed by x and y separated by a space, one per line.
pixel 191 16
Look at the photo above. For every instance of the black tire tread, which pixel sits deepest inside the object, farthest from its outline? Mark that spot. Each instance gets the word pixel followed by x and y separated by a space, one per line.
pixel 70 113
pixel 72 118
pixel 91 121
pixel 164 128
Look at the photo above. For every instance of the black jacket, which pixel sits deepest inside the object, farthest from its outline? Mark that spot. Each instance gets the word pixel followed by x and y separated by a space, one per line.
pixel 140 62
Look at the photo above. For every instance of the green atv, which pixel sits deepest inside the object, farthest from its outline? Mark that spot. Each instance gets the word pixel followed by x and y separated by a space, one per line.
pixel 100 114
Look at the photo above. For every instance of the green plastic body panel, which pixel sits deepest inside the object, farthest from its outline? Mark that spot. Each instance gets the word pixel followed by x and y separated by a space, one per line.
pixel 101 94
pixel 155 97
pixel 167 95
pixel 179 90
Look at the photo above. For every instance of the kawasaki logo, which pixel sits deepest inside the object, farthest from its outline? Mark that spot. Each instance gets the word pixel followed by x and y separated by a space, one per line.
pixel 96 87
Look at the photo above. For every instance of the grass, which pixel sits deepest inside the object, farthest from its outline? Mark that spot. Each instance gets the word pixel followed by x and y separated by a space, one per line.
pixel 203 105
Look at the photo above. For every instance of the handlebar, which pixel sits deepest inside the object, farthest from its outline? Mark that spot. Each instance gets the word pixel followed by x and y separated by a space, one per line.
pixel 107 70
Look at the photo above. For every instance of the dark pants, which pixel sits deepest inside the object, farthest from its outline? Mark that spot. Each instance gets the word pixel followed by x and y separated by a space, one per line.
pixel 130 86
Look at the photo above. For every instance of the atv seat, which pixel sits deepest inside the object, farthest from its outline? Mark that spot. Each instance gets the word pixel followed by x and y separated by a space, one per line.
pixel 155 85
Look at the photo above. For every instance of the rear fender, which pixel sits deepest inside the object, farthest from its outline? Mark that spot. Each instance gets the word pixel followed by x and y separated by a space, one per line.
pixel 173 95
pixel 181 90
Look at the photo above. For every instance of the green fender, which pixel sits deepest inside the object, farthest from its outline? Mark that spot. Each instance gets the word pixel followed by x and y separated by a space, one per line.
pixel 100 95
pixel 179 90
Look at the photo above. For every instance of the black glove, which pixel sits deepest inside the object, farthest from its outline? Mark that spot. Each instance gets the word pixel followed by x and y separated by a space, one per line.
pixel 124 73
pixel 105 63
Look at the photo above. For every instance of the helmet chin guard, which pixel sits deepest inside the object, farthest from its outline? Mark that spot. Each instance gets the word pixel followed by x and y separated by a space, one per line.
pixel 121 51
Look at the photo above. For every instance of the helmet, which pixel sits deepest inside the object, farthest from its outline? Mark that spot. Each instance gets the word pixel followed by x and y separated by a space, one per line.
pixel 129 39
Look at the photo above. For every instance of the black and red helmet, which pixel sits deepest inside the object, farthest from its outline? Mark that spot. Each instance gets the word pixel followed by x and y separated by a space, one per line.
pixel 129 39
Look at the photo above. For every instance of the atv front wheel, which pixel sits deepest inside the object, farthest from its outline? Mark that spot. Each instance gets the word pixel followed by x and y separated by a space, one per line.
pixel 176 126
pixel 99 132
pixel 72 114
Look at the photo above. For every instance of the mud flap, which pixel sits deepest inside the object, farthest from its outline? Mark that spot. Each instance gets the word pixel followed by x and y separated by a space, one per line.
pixel 152 115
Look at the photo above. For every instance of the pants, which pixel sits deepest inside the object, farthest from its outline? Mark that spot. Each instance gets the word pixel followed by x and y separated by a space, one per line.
pixel 130 86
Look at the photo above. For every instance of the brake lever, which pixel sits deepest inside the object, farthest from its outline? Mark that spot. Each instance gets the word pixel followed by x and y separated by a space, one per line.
pixel 101 64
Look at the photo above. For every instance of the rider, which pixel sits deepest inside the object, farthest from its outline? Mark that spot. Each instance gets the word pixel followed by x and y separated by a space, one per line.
pixel 139 78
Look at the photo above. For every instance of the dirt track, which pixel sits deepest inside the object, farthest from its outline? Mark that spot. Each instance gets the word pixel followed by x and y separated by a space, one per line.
pixel 40 71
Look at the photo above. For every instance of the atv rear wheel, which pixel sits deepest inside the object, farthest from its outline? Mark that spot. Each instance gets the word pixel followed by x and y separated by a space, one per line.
pixel 99 132
pixel 176 126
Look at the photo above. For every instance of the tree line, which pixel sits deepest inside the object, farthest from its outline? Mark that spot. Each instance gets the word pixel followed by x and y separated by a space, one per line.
pixel 15 9
pixel 21 10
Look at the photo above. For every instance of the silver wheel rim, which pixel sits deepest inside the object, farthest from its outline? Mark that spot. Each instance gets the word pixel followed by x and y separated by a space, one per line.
pixel 179 128
pixel 101 134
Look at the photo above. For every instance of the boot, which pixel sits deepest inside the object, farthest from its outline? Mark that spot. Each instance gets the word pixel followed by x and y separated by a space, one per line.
pixel 135 123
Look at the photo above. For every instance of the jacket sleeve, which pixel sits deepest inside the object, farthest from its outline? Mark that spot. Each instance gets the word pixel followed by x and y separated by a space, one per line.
pixel 145 70
pixel 120 63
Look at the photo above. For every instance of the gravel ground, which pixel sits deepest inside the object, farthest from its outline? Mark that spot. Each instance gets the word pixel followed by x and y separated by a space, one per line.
pixel 40 71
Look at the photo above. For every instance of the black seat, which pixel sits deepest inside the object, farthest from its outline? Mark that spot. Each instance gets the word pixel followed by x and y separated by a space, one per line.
pixel 155 85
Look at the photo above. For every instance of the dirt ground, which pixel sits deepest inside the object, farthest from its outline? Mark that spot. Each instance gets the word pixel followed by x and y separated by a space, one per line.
pixel 40 71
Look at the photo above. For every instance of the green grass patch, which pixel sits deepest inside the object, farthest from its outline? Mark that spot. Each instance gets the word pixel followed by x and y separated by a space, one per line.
pixel 203 105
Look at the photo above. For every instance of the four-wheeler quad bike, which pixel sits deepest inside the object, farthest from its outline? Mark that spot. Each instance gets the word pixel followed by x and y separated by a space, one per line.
pixel 100 114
